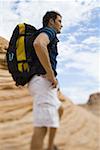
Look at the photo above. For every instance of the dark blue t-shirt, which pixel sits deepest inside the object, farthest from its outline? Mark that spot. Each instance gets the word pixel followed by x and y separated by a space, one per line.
pixel 52 46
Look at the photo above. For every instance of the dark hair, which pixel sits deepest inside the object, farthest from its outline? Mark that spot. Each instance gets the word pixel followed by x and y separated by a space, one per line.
pixel 49 15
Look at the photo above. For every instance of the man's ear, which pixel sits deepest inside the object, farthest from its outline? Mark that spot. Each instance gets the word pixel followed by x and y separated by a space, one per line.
pixel 51 21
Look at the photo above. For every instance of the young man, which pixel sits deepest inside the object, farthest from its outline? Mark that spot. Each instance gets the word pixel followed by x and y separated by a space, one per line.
pixel 43 86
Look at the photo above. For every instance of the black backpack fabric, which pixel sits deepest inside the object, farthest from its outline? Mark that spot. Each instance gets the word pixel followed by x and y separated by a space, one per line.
pixel 19 58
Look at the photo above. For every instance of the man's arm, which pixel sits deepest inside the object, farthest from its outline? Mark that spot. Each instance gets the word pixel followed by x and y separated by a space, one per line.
pixel 40 45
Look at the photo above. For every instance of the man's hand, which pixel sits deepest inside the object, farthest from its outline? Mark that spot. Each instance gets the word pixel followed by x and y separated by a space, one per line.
pixel 52 79
pixel 54 83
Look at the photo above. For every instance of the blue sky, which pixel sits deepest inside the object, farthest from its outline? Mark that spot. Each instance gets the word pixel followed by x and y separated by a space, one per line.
pixel 79 57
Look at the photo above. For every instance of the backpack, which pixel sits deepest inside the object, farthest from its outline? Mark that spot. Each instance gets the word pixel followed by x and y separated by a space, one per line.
pixel 19 58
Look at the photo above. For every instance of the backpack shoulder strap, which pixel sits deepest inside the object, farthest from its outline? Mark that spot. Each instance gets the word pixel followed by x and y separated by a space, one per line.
pixel 21 28
pixel 20 45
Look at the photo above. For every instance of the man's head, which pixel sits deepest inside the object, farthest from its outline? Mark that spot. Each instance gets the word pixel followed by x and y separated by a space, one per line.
pixel 52 19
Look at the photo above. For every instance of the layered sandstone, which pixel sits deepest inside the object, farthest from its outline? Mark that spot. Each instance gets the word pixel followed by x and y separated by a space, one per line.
pixel 93 104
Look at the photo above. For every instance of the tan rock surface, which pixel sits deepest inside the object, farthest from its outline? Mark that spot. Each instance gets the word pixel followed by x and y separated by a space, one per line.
pixel 93 104
pixel 79 128
pixel 3 45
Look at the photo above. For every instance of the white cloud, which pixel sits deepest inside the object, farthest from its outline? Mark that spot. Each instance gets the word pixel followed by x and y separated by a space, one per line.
pixel 86 61
pixel 92 40
pixel 32 12
pixel 71 38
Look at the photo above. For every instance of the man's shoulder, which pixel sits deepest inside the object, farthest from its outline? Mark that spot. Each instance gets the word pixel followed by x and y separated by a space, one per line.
pixel 49 31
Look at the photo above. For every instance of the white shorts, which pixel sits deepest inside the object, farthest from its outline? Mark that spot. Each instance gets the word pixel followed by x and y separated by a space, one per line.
pixel 46 102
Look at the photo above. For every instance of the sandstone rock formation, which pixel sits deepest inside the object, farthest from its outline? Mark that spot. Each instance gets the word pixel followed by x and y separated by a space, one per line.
pixel 3 44
pixel 93 104
pixel 79 129
pixel 3 47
